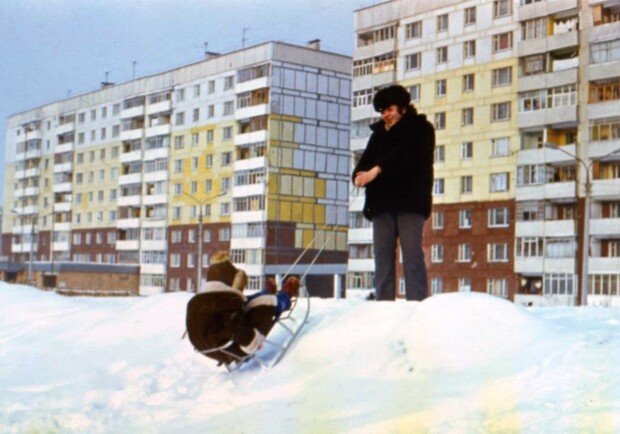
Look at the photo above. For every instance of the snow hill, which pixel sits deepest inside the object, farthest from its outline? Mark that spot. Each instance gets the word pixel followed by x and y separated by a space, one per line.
pixel 455 363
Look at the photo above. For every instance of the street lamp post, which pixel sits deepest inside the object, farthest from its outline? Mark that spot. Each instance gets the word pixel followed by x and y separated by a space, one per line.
pixel 201 203
pixel 585 251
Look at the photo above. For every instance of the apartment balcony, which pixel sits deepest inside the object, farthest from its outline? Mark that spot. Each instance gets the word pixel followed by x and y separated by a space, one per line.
pixel 127 245
pixel 29 155
pixel 161 106
pixel 63 148
pixel 127 157
pixel 159 130
pixel 555 300
pixel 604 265
pixel 249 216
pixel 545 8
pixel 548 80
pixel 155 154
pixel 360 235
pixel 153 269
pixel 23 247
pixel 30 210
pixel 62 207
pixel 65 128
pixel 134 134
pixel 62 227
pixel 128 223
pixel 133 178
pixel 600 149
pixel 363 112
pixel 548 117
pixel 375 49
pixel 253 137
pixel 367 264
pixel 252 111
pixel 356 202
pixel 602 71
pixel 61 246
pixel 604 32
pixel 540 265
pixel 250 163
pixel 371 81
pixel 34 172
pixel 604 109
pixel 161 175
pixel 154 199
pixel 34 135
pixel 247 243
pixel 66 167
pixel 250 190
pixel 556 156
pixel 546 228
pixel 132 112
pixel 560 41
pixel 555 190
pixel 64 187
pixel 129 200
pixel 359 144
pixel 604 228
pixel 606 189
pixel 154 245
pixel 255 84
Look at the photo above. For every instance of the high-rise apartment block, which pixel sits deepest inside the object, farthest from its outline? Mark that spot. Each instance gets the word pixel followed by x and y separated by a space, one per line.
pixel 525 98
pixel 132 187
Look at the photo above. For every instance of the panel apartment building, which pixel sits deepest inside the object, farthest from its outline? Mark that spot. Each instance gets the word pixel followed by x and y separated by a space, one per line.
pixel 525 99
pixel 134 186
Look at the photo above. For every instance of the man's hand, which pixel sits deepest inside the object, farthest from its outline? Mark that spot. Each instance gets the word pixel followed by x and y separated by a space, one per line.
pixel 362 179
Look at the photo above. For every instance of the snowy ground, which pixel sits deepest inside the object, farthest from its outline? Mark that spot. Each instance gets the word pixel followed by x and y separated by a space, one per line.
pixel 456 363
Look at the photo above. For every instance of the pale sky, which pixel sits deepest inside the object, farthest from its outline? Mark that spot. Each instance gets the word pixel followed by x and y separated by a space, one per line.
pixel 50 49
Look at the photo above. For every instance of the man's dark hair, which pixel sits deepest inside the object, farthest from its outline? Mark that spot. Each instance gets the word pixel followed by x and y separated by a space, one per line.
pixel 391 95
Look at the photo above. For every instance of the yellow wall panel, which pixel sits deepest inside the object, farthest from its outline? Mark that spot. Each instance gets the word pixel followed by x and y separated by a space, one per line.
pixel 285 211
pixel 319 214
pixel 320 188
pixel 297 212
pixel 308 212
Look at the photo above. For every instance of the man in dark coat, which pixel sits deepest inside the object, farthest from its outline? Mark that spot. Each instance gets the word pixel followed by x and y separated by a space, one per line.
pixel 396 169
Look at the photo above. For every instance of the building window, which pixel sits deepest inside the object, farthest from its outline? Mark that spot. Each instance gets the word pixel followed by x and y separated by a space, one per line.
pixel 498 217
pixel 229 108
pixel 179 95
pixel 529 247
pixel 190 260
pixel 211 111
pixel 559 284
pixel 502 8
pixel 442 55
pixel 497 287
pixel 502 41
pixel 442 23
pixel 532 101
pixel 500 146
pixel 196 115
pixel 464 254
pixel 362 97
pixel 497 252
pixel 502 76
pixel 229 82
pixel 467 150
pixel 362 67
pixel 437 219
pixel 468 82
pixel 438 186
pixel 436 285
pixel 413 30
pixel 180 118
pixel 534 29
pixel 412 61
pixel 179 142
pixel 469 49
pixel 467 184
pixel 499 182
pixel 226 158
pixel 440 121
pixel 467 116
pixel 175 260
pixel 604 284
pixel 226 133
pixel 441 87
pixel 440 154
pixel 470 15
pixel 500 112
pixel 465 221
pixel 464 284
pixel 437 253
pixel 605 51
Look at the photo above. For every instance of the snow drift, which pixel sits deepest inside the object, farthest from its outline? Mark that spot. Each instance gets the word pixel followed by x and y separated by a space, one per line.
pixel 455 363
